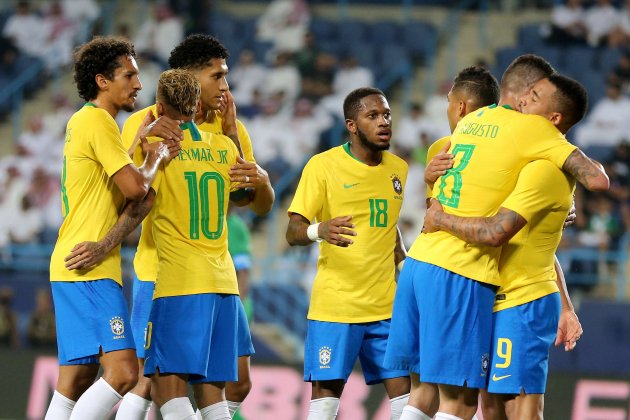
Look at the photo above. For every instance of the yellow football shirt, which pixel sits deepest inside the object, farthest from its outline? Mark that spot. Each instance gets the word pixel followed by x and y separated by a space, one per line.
pixel 190 218
pixel 543 196
pixel 353 284
pixel 90 200
pixel 145 261
pixel 490 147
pixel 433 150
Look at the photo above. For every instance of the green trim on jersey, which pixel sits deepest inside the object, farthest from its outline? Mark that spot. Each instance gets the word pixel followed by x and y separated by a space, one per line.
pixel 194 131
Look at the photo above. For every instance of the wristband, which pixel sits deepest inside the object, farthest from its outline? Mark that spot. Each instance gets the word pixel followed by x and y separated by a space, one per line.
pixel 400 265
pixel 313 232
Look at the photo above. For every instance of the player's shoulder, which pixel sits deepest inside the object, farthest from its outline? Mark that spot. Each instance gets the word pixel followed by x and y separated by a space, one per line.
pixel 531 123
pixel 393 160
pixel 92 118
pixel 138 116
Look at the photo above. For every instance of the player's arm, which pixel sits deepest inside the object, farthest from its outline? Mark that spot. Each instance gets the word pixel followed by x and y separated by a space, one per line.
pixel 489 231
pixel 331 231
pixel 400 252
pixel 87 254
pixel 569 327
pixel 586 171
pixel 254 180
pixel 135 182
pixel 438 164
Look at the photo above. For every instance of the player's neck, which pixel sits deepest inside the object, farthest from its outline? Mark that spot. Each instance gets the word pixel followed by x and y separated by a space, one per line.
pixel 508 99
pixel 365 155
pixel 100 102
pixel 205 116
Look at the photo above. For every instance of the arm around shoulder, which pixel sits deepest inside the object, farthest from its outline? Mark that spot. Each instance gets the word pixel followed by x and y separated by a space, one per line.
pixel 587 171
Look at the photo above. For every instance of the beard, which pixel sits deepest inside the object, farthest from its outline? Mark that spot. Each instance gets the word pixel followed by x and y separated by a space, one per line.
pixel 129 107
pixel 368 144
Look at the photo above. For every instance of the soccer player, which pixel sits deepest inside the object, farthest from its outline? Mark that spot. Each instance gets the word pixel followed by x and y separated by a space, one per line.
pixel 453 283
pixel 98 175
pixel 473 88
pixel 527 310
pixel 193 324
pixel 205 57
pixel 355 192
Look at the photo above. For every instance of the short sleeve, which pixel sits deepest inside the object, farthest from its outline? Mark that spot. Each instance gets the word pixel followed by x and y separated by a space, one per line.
pixel 309 196
pixel 538 138
pixel 246 142
pixel 533 189
pixel 108 148
pixel 433 150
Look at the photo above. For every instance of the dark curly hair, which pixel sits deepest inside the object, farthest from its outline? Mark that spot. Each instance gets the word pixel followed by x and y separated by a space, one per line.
pixel 99 56
pixel 196 51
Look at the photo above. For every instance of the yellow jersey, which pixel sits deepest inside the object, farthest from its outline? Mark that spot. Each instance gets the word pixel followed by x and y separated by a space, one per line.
pixel 435 147
pixel 190 217
pixel 354 284
pixel 490 147
pixel 543 196
pixel 90 201
pixel 145 261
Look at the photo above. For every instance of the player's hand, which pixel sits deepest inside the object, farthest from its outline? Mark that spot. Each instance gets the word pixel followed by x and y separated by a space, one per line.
pixel 438 165
pixel 569 330
pixel 570 217
pixel 248 174
pixel 432 217
pixel 164 127
pixel 333 231
pixel 173 146
pixel 85 255
pixel 159 149
pixel 227 109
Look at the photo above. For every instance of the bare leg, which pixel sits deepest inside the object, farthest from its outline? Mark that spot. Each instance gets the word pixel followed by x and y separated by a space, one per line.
pixel 459 401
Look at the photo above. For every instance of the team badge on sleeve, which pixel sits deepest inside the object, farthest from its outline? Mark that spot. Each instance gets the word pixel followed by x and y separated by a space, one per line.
pixel 324 357
pixel 118 326
pixel 485 362
pixel 398 187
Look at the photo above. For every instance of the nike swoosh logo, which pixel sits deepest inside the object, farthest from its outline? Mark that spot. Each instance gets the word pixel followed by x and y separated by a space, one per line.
pixel 498 378
pixel 350 185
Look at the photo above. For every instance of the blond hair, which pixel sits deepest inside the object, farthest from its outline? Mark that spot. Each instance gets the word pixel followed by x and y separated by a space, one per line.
pixel 180 90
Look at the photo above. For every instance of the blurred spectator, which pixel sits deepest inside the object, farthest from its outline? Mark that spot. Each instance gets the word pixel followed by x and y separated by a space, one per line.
pixel 284 23
pixel 621 73
pixel 282 77
pixel 60 34
pixel 607 123
pixel 568 24
pixel 239 246
pixel 159 35
pixel 603 225
pixel 303 132
pixel 41 326
pixel 55 121
pixel 414 205
pixel 600 20
pixel 247 76
pixel 411 127
pixel 348 77
pixel 27 223
pixel 316 68
pixel 434 110
pixel 26 30
pixel 44 191
pixel 83 14
pixel 618 170
pixel 150 72
pixel 35 138
pixel 8 320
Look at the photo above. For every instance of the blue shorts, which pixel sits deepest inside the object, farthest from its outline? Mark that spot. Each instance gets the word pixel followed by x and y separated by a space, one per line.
pixel 332 348
pixel 403 344
pixel 140 310
pixel 455 327
pixel 520 348
pixel 194 335
pixel 245 345
pixel 242 261
pixel 90 316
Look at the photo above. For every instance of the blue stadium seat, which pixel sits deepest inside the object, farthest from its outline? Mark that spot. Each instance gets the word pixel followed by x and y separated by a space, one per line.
pixel 607 60
pixel 420 39
pixel 351 32
pixel 388 57
pixel 552 54
pixel 529 36
pixel 578 60
pixel 324 30
pixel 600 153
pixel 505 56
pixel 385 33
pixel 364 53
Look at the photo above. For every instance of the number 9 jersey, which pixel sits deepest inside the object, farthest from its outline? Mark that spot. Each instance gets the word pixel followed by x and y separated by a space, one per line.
pixel 190 217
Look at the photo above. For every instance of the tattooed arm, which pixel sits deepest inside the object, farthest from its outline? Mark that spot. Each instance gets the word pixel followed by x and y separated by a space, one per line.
pixel 489 231
pixel 586 171
pixel 87 254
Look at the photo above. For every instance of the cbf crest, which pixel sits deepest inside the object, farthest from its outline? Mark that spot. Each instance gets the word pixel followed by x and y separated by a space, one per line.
pixel 325 354
pixel 397 184
pixel 118 326
pixel 485 363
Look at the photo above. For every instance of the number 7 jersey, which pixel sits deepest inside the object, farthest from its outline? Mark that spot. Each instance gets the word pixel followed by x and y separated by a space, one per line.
pixel 190 217
pixel 490 147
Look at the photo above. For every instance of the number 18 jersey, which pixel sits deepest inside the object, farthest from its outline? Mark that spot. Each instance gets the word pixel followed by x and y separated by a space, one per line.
pixel 490 147
pixel 189 218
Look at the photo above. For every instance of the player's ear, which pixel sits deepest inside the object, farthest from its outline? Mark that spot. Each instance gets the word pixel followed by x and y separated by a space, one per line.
pixel 101 81
pixel 556 118
pixel 159 108
pixel 351 126
pixel 461 109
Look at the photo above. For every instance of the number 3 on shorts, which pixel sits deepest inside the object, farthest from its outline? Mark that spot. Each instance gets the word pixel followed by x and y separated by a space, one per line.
pixel 455 173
